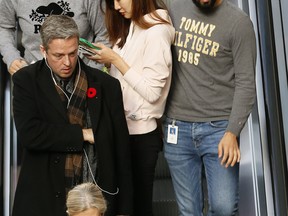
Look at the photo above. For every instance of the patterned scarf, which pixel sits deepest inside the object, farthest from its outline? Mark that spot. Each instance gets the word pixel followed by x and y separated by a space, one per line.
pixel 76 114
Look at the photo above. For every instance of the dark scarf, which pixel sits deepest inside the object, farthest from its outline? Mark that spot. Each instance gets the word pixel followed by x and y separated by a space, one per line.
pixel 76 115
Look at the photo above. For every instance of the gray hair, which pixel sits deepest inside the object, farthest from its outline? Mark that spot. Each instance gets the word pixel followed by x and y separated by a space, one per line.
pixel 83 197
pixel 58 27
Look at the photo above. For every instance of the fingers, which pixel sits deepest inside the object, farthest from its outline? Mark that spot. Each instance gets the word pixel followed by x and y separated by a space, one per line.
pixel 225 158
pixel 101 55
pixel 229 154
pixel 97 57
pixel 99 45
pixel 231 158
pixel 237 156
pixel 16 65
pixel 94 57
pixel 228 150
pixel 220 150
pixel 88 135
pixel 234 159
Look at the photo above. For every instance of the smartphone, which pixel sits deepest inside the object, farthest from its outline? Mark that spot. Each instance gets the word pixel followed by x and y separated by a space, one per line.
pixel 86 43
pixel 84 50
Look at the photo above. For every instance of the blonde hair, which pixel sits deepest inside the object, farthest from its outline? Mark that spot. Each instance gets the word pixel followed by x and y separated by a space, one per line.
pixel 85 196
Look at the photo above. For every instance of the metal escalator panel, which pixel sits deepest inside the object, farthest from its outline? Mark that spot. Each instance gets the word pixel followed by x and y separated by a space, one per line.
pixel 2 90
pixel 8 159
pixel 256 192
pixel 272 45
pixel 280 24
pixel 279 148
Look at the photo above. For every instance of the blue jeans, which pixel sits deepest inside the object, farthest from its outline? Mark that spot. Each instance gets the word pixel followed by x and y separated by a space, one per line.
pixel 197 147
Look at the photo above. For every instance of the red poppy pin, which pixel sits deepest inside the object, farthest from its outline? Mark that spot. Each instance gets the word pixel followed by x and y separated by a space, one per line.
pixel 91 92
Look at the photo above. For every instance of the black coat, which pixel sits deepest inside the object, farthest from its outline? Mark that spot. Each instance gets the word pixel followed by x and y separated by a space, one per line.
pixel 46 135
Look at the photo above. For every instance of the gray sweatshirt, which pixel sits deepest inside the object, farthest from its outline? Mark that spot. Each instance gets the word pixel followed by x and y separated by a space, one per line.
pixel 31 14
pixel 214 56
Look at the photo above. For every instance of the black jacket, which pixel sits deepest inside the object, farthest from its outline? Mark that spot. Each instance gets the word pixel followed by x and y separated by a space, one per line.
pixel 46 135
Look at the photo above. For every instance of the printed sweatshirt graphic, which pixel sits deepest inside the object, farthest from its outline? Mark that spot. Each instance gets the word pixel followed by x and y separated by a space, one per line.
pixel 195 39
pixel 213 65
pixel 41 12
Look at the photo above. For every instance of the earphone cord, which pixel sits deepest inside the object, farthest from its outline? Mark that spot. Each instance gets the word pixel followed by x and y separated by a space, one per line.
pixel 68 98
pixel 90 170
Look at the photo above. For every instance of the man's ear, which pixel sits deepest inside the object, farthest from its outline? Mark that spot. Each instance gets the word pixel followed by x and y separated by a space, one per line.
pixel 43 51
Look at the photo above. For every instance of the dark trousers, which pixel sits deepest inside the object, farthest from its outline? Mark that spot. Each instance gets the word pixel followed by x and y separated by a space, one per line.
pixel 144 149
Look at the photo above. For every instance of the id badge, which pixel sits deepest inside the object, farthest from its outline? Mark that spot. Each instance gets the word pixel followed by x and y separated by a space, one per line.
pixel 172 134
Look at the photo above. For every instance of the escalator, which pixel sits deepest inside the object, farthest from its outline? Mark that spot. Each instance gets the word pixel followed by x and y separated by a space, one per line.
pixel 263 141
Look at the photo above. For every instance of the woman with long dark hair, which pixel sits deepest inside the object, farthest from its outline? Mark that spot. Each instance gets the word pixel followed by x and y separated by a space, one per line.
pixel 141 34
